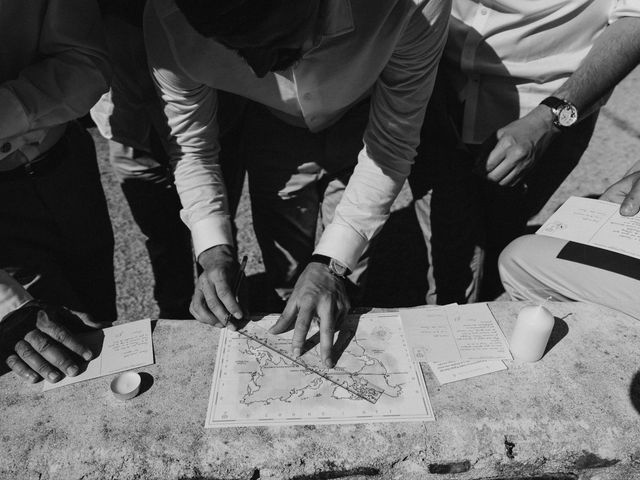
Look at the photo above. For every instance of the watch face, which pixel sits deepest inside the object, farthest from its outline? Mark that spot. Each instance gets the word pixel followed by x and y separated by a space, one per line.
pixel 338 268
pixel 567 115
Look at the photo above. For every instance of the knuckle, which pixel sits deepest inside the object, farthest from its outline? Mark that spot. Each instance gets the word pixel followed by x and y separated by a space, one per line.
pixel 23 348
pixel 43 321
pixel 61 335
pixel 518 150
pixel 41 342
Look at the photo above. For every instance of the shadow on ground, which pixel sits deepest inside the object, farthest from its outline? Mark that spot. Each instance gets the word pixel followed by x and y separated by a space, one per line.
pixel 398 269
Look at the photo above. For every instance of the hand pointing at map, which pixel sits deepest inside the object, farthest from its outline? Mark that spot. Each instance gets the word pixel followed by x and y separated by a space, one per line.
pixel 318 294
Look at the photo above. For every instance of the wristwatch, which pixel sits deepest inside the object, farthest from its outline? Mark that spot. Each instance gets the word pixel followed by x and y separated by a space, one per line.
pixel 336 268
pixel 565 114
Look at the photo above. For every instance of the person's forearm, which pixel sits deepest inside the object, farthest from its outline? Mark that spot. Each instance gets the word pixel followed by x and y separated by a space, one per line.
pixel 72 70
pixel 613 55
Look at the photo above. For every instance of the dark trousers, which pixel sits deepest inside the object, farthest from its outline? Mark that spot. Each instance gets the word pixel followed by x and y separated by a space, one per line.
pixel 296 180
pixel 147 182
pixel 467 220
pixel 55 232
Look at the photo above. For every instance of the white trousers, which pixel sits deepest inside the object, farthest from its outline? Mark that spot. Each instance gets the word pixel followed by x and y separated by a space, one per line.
pixel 529 270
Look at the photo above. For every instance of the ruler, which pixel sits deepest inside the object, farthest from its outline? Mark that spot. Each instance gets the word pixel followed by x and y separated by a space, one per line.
pixel 352 382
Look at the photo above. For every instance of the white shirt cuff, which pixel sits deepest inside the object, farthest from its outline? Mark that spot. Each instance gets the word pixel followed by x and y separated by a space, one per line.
pixel 12 295
pixel 342 243
pixel 13 118
pixel 210 232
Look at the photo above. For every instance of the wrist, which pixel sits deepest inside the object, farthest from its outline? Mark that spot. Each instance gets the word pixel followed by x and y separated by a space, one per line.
pixel 23 312
pixel 214 256
pixel 335 267
pixel 564 114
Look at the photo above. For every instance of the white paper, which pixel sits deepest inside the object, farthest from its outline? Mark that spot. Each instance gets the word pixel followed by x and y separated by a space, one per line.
pixel 454 333
pixel 253 385
pixel 122 347
pixel 447 372
pixel 596 223
pixel 429 333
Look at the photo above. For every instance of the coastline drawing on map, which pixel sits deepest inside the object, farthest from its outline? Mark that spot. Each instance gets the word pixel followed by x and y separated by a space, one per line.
pixel 254 385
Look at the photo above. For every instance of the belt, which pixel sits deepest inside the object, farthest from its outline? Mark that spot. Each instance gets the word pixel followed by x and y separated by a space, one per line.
pixel 39 166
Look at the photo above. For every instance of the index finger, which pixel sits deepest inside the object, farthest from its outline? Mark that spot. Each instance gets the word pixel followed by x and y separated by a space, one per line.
pixel 498 154
pixel 62 336
pixel 327 314
pixel 303 322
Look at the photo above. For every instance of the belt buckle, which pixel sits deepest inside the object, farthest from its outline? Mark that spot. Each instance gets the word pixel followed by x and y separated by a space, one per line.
pixel 28 167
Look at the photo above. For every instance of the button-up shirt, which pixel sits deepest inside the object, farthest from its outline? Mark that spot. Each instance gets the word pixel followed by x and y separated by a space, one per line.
pixel 388 49
pixel 53 68
pixel 505 56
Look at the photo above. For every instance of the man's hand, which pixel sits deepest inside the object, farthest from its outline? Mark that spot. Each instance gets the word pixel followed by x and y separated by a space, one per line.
pixel 48 350
pixel 626 192
pixel 214 299
pixel 519 145
pixel 317 294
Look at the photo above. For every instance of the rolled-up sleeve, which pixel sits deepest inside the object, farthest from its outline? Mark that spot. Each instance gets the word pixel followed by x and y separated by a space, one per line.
pixel 398 105
pixel 70 75
pixel 191 109
pixel 12 295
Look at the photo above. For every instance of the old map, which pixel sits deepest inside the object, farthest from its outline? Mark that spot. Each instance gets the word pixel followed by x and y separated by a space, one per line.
pixel 253 385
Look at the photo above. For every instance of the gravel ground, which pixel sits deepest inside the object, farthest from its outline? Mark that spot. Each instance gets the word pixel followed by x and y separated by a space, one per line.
pixel 397 275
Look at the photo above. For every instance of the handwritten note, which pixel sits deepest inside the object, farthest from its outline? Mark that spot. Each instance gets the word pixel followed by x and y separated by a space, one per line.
pixel 447 372
pixel 596 223
pixel 116 349
pixel 454 333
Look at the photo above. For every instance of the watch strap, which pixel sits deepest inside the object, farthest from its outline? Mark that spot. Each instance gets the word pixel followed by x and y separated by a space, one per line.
pixel 329 262
pixel 553 102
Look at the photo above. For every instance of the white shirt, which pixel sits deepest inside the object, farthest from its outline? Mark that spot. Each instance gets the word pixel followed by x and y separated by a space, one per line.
pixel 505 56
pixel 386 48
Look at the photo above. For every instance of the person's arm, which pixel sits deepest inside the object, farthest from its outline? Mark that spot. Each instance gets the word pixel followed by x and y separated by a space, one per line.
pixel 613 55
pixel 398 104
pixel 68 78
pixel 191 111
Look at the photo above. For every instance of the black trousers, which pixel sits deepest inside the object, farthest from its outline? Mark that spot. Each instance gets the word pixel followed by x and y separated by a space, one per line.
pixel 467 220
pixel 55 232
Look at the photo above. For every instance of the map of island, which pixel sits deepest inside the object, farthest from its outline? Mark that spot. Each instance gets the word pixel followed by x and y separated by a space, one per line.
pixel 254 385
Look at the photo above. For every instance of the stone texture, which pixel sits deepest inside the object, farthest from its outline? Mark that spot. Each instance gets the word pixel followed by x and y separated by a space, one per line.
pixel 573 415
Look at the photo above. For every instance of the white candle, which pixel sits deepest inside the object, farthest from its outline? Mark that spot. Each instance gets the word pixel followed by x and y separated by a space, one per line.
pixel 531 333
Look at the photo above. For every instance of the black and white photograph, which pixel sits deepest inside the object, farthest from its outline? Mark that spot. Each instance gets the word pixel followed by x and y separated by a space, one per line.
pixel 320 239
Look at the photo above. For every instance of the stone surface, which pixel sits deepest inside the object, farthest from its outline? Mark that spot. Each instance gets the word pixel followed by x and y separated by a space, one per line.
pixel 575 414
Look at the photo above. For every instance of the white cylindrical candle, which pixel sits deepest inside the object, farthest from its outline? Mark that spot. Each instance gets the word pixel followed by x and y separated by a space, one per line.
pixel 531 333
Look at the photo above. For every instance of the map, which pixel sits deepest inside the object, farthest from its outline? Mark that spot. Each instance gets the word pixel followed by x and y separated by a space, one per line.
pixel 254 385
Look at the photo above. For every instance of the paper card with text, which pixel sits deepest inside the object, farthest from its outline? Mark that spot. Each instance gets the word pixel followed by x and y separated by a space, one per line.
pixel 447 372
pixel 454 333
pixel 596 223
pixel 116 349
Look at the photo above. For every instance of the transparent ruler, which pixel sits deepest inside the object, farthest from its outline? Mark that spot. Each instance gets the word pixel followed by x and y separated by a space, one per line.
pixel 352 382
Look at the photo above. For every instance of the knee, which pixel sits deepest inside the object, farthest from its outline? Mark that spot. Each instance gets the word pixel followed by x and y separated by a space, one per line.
pixel 514 257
